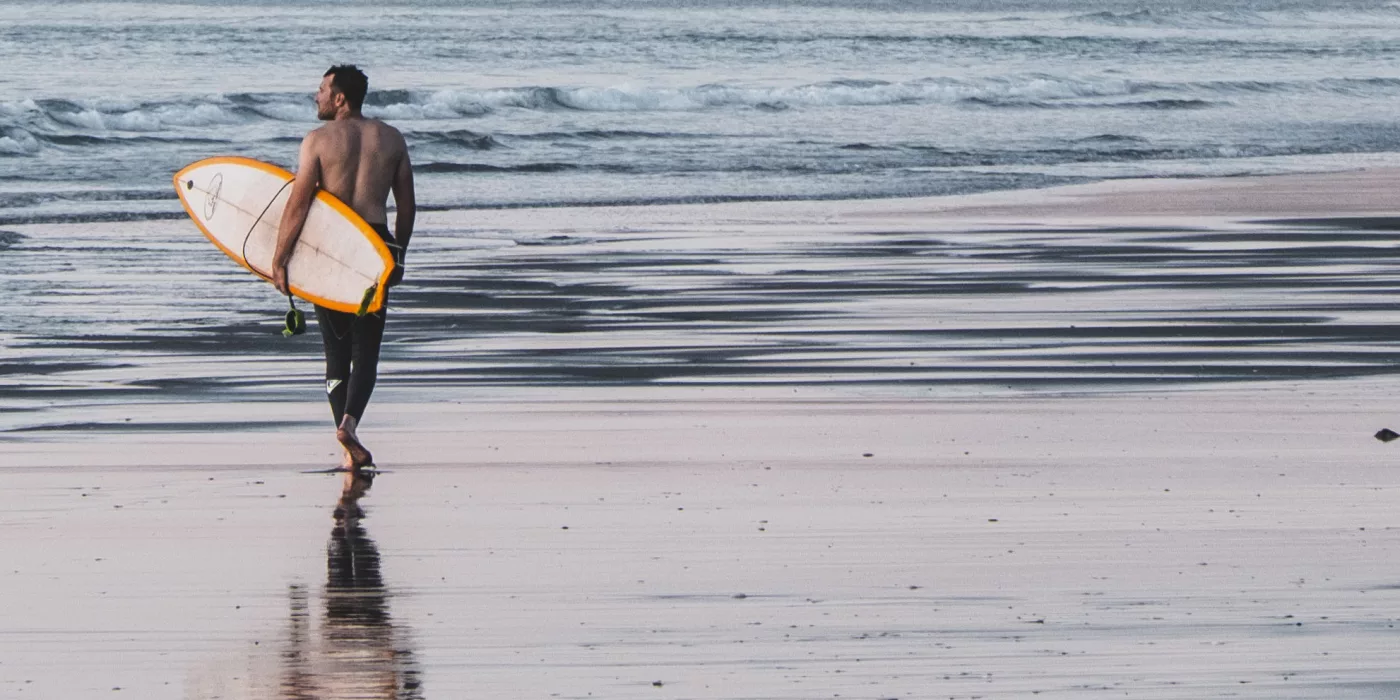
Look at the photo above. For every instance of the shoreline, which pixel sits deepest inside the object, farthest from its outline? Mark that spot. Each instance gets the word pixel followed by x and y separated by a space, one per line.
pixel 1048 200
pixel 595 427
pixel 1344 191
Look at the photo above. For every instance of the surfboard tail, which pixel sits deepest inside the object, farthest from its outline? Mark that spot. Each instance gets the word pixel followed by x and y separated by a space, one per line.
pixel 367 300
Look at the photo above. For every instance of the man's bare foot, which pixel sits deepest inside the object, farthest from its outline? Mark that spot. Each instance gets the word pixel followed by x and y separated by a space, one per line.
pixel 359 456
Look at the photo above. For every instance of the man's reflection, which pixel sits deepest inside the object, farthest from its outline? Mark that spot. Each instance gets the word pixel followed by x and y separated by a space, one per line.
pixel 356 652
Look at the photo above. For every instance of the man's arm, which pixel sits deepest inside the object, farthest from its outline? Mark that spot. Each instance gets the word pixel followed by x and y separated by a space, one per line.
pixel 294 215
pixel 404 201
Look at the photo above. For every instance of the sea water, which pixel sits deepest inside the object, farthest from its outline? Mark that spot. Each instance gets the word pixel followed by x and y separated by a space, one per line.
pixel 109 293
pixel 556 103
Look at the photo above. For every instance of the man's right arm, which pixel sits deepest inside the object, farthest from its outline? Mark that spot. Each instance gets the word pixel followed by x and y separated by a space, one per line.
pixel 308 179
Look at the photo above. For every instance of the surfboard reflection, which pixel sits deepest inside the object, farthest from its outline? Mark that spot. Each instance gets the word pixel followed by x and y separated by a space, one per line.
pixel 355 650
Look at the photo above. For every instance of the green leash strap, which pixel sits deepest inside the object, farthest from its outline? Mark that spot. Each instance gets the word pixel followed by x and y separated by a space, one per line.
pixel 296 320
pixel 365 301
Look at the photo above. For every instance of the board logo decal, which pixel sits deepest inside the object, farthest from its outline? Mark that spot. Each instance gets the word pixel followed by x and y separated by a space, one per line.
pixel 211 198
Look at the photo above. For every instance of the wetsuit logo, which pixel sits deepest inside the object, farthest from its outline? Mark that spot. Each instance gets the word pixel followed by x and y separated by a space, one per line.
pixel 211 198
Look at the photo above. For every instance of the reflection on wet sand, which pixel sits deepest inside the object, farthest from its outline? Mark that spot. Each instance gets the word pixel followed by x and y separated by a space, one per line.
pixel 356 651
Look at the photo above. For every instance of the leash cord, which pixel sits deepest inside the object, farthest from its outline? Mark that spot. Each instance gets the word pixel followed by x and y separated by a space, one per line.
pixel 255 226
pixel 249 235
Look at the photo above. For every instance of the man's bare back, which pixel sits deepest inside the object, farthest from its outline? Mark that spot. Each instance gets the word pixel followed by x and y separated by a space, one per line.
pixel 360 161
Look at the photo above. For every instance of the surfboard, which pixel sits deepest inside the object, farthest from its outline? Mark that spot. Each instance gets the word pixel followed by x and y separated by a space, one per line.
pixel 339 262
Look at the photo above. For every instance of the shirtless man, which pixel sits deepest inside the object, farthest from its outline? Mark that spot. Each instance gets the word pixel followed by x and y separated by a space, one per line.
pixel 359 161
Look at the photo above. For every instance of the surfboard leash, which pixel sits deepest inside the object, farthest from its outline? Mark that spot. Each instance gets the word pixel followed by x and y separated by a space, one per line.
pixel 295 319
pixel 254 227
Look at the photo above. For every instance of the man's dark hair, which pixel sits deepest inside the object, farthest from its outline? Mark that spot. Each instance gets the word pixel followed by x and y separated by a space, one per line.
pixel 351 82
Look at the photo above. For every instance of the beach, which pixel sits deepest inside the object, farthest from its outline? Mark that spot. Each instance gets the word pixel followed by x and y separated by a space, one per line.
pixel 1105 439
pixel 747 350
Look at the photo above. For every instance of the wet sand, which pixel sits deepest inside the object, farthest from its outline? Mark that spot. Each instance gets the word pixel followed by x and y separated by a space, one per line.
pixel 902 449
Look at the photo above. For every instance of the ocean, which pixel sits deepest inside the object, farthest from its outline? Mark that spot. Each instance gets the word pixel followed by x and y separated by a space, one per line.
pixel 562 103
pixel 524 108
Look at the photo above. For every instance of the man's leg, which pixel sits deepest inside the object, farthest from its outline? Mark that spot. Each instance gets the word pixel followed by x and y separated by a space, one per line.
pixel 364 361
pixel 364 371
pixel 337 335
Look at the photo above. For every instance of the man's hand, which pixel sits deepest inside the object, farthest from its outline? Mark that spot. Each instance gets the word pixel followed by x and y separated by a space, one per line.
pixel 396 276
pixel 279 278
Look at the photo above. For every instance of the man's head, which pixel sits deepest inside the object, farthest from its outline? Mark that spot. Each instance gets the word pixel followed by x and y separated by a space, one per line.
pixel 342 88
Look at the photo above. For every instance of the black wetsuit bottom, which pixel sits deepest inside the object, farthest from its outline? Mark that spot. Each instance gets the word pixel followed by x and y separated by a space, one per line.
pixel 352 352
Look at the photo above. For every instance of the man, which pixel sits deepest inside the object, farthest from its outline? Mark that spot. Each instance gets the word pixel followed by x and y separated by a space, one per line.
pixel 359 161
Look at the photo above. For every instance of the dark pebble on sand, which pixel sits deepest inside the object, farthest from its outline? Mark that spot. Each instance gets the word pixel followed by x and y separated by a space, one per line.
pixel 1386 435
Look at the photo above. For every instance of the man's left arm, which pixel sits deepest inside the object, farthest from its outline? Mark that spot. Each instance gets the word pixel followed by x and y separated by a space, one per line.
pixel 404 201
pixel 407 209
pixel 294 215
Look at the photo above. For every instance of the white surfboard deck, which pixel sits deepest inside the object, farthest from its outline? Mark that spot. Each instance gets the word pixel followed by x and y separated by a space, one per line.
pixel 237 202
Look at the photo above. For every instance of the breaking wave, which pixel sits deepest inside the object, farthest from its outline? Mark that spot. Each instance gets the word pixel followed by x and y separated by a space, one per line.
pixel 26 125
pixel 439 167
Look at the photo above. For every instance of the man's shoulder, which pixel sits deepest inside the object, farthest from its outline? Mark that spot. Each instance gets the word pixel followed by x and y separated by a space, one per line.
pixel 316 135
pixel 385 128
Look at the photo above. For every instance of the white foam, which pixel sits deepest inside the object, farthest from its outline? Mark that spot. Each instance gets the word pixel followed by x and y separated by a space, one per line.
pixel 132 121
pixel 631 98
pixel 19 109
pixel 111 105
pixel 86 119
pixel 628 99
pixel 472 102
pixel 19 142
pixel 108 116
pixel 286 112
pixel 431 110
pixel 196 115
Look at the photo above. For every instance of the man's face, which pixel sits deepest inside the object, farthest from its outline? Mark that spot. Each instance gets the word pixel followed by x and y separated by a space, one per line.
pixel 325 100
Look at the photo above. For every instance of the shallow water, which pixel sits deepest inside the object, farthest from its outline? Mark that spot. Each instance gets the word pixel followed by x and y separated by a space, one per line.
pixel 111 295
pixel 646 297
